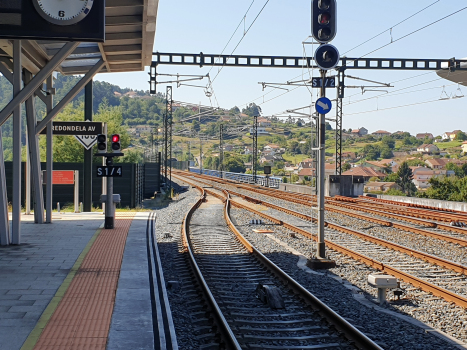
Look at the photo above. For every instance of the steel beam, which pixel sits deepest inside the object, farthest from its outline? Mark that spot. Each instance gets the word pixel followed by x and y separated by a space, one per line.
pixel 34 156
pixel 16 203
pixel 200 59
pixel 87 176
pixel 4 222
pixel 9 76
pixel 38 79
pixel 70 95
pixel 49 155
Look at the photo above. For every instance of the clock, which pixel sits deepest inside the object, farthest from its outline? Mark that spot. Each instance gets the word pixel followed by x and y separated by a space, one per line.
pixel 63 12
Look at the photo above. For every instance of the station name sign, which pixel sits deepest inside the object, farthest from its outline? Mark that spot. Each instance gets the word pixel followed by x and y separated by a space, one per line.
pixel 75 128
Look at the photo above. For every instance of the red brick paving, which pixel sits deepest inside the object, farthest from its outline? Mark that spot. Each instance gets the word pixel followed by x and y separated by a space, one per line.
pixel 82 318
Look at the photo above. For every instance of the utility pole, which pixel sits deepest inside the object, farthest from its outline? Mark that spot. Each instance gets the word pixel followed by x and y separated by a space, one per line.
pixel 221 151
pixel 255 149
pixel 169 106
pixel 200 155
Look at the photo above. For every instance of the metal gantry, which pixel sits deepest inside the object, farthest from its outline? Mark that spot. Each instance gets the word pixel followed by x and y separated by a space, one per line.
pixel 340 96
pixel 254 160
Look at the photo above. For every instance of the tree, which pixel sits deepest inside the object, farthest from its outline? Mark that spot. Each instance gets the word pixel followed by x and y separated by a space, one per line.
pixel 447 188
pixel 385 153
pixel 404 179
pixel 195 125
pixel 234 110
pixel 234 164
pixel 371 152
pixel 252 110
pixel 388 141
pixel 346 166
pixel 461 136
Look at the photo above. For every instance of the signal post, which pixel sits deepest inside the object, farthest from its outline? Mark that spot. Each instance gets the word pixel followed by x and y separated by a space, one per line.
pixel 324 22
pixel 109 171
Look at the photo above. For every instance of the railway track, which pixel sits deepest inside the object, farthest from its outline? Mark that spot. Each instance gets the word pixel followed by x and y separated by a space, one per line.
pixel 252 307
pixel 412 216
pixel 443 232
pixel 414 267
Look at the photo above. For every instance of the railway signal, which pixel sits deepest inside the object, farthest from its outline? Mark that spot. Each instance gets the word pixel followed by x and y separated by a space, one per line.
pixel 101 143
pixel 115 143
pixel 327 56
pixel 323 20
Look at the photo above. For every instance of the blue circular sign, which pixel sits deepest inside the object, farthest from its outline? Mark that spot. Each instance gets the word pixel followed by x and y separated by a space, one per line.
pixel 323 105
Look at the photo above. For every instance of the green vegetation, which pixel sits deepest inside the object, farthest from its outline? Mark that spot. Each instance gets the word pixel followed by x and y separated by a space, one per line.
pixel 404 179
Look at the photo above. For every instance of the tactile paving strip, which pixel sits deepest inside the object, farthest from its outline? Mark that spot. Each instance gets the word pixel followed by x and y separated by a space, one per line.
pixel 82 318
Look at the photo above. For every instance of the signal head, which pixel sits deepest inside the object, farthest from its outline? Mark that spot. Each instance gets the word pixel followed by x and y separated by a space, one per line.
pixel 323 20
pixel 116 146
pixel 102 143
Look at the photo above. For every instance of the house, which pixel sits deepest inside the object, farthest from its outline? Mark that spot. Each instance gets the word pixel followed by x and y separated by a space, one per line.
pixel 227 148
pixel 381 186
pixel 305 172
pixel 263 122
pixel 381 133
pixel 421 176
pixel 248 150
pixel 305 164
pixel 424 136
pixel 438 163
pixel 329 169
pixel 271 146
pixel 359 132
pixel 260 130
pixel 349 155
pixel 450 136
pixel 267 159
pixel 225 118
pixel 427 148
pixel 377 165
pixel 139 129
pixel 366 172
pixel 464 147
pixel 400 154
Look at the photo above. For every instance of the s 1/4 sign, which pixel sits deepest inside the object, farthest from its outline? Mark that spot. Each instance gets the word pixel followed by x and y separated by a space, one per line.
pixel 109 171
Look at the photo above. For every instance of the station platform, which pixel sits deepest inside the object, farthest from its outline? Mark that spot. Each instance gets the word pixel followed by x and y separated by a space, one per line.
pixel 74 285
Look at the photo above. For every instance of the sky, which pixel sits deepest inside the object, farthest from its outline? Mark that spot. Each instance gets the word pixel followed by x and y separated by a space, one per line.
pixel 417 102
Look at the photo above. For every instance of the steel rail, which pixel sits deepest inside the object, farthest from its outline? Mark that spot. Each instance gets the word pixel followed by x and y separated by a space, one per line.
pixel 223 327
pixel 350 332
pixel 440 236
pixel 406 277
pixel 417 282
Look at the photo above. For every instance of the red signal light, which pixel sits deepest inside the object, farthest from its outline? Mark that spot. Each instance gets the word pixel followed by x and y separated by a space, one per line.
pixel 324 18
pixel 115 138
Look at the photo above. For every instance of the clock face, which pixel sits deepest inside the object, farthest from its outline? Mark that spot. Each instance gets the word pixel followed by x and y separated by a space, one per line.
pixel 63 12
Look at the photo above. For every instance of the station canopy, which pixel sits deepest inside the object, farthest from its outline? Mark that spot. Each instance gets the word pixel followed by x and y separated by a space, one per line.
pixel 130 27
pixel 459 77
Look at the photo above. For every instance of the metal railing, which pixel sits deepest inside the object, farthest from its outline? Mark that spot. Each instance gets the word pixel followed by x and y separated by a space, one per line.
pixel 240 177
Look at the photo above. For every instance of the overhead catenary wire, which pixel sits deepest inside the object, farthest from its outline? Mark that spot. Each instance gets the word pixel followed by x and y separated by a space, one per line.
pixel 390 29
